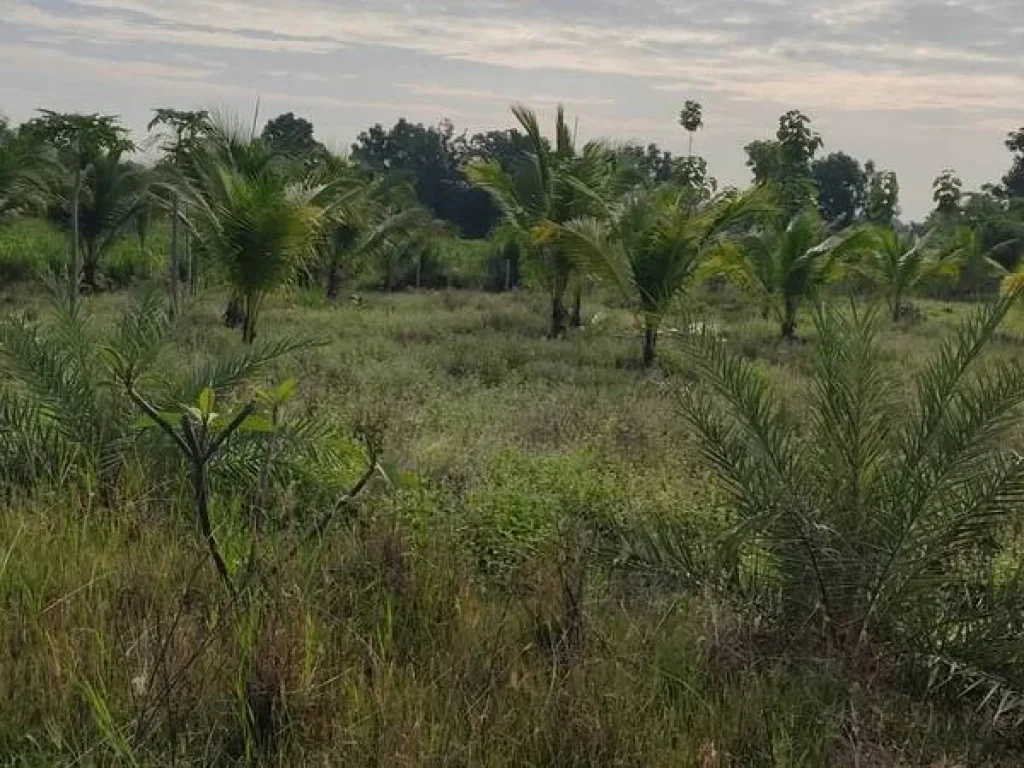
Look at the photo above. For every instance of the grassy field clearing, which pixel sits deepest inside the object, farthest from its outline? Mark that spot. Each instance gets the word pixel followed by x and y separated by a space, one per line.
pixel 465 612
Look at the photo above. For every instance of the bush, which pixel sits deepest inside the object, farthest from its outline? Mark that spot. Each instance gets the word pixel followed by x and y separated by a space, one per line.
pixel 881 523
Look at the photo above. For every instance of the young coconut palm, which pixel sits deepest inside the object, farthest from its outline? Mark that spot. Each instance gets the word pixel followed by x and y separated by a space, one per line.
pixel 898 263
pixel 786 267
pixel 255 222
pixel 551 186
pixel 652 244
pixel 364 222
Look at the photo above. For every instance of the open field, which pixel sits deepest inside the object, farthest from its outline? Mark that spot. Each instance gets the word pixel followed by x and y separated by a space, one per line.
pixel 465 613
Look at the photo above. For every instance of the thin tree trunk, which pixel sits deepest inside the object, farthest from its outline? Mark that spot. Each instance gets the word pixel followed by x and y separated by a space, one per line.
pixel 650 342
pixel 558 317
pixel 73 267
pixel 201 491
pixel 174 286
pixel 508 275
pixel 788 327
pixel 419 271
pixel 577 309
pixel 190 256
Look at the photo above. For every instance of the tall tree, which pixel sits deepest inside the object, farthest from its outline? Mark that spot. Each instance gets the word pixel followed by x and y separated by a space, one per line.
pixel 180 133
pixel 947 192
pixel 1013 181
pixel 25 173
pixel 786 162
pixel 433 160
pixel 691 118
pixel 290 135
pixel 883 204
pixel 79 139
pixel 842 187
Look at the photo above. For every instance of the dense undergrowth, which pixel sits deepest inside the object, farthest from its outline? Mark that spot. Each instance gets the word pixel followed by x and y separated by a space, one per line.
pixel 523 580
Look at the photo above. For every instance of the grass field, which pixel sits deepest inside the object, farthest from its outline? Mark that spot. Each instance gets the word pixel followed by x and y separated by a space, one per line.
pixel 465 612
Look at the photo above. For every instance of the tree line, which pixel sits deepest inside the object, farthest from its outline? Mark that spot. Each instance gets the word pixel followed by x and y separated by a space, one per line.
pixel 262 209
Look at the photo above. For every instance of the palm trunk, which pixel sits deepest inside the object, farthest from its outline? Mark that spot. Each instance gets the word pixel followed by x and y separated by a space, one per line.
pixel 558 317
pixel 249 323
pixel 788 326
pixel 73 267
pixel 90 265
pixel 650 342
pixel 577 309
pixel 333 282
pixel 174 286
pixel 234 314
pixel 190 256
pixel 896 305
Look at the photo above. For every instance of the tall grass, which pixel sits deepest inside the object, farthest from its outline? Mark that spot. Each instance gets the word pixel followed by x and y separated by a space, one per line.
pixel 479 603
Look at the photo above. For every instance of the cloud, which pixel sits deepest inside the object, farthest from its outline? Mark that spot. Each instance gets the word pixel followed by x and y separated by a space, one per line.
pixel 502 95
pixel 885 78
pixel 814 52
pixel 111 29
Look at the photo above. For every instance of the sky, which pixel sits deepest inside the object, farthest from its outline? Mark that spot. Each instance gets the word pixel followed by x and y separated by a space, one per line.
pixel 916 85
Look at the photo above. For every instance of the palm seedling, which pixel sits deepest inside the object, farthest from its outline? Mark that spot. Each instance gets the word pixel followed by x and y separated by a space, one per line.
pixel 879 520
pixel 652 244
pixel 785 267
pixel 899 263
pixel 260 226
pixel 550 186
pixel 114 193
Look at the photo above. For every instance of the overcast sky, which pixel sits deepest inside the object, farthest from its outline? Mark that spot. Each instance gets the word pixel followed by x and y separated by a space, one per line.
pixel 918 85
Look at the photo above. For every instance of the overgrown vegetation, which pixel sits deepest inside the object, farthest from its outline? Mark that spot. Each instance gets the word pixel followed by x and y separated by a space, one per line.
pixel 438 526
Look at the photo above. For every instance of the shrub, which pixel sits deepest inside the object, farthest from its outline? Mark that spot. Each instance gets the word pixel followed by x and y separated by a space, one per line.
pixel 881 523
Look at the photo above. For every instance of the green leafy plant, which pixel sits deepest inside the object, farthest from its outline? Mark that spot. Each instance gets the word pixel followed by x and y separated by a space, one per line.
pixel 786 267
pixel 881 522
pixel 260 226
pixel 653 243
pixel 78 140
pixel 899 263
pixel 550 186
